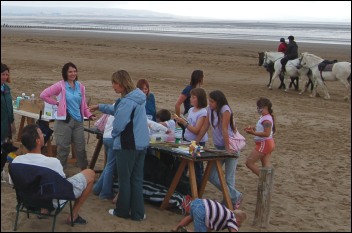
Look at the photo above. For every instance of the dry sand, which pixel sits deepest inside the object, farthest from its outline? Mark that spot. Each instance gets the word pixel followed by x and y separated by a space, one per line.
pixel 312 161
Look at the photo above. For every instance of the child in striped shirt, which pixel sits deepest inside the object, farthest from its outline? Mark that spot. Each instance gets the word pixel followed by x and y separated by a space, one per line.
pixel 211 215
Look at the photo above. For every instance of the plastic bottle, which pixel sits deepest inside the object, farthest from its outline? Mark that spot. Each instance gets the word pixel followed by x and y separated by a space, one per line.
pixel 178 135
pixel 23 95
pixel 32 97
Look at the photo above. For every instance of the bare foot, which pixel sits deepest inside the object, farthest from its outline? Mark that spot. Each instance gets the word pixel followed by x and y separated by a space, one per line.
pixel 115 198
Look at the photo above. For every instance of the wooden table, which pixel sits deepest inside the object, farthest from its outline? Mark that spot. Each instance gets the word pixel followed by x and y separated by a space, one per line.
pixel 213 157
pixel 31 118
pixel 97 149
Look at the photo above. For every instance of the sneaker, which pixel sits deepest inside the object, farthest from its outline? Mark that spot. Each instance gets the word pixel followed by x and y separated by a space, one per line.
pixel 78 220
pixel 111 212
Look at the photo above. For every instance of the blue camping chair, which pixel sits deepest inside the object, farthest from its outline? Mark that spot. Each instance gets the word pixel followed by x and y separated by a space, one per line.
pixel 36 187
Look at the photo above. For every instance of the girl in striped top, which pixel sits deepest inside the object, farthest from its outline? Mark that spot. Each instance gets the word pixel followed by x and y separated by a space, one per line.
pixel 211 215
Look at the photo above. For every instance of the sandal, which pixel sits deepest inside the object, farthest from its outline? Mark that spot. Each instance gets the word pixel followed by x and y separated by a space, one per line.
pixel 41 216
pixel 186 204
pixel 238 203
pixel 78 220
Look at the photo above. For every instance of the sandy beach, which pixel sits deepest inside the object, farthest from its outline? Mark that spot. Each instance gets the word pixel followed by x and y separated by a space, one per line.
pixel 312 160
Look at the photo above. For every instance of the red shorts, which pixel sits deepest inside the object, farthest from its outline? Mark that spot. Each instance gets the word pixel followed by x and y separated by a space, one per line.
pixel 266 146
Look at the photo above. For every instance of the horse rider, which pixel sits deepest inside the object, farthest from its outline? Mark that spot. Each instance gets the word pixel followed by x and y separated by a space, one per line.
pixel 290 54
pixel 282 46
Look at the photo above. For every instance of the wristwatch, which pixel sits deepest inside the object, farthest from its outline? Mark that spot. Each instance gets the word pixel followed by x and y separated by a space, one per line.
pixel 186 125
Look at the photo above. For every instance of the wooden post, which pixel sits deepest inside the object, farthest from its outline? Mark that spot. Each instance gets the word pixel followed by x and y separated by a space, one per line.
pixel 265 186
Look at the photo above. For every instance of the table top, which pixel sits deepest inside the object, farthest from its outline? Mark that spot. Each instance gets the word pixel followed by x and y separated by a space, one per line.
pixel 94 130
pixel 31 115
pixel 36 115
pixel 208 154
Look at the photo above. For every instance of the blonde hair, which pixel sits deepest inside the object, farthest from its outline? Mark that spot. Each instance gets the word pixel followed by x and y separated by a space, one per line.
pixel 123 78
pixel 241 216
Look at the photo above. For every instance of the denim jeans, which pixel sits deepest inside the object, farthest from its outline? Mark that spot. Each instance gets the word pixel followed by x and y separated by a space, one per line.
pixel 230 176
pixel 103 187
pixel 198 214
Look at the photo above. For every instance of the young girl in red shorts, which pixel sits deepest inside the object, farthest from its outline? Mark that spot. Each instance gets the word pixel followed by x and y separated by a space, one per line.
pixel 263 136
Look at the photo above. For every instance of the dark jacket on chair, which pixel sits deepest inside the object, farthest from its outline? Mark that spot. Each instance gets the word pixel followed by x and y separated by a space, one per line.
pixel 36 184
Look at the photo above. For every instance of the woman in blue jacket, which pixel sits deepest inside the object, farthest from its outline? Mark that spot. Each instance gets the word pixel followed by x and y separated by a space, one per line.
pixel 130 142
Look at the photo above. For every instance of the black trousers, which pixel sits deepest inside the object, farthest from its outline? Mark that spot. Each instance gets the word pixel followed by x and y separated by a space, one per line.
pixel 284 62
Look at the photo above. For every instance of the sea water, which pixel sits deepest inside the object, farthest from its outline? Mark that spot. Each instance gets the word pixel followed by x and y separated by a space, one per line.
pixel 310 32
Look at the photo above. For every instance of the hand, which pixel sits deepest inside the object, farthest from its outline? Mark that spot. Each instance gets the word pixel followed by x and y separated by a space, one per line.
pixel 180 120
pixel 92 117
pixel 93 108
pixel 249 129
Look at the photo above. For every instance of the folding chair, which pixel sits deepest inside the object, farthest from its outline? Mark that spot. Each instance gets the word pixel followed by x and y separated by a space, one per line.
pixel 36 187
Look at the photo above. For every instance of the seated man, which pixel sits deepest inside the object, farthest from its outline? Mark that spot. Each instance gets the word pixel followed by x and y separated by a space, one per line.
pixel 290 54
pixel 33 140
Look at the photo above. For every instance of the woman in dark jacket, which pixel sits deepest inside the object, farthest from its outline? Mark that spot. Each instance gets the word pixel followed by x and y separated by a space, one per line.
pixel 7 118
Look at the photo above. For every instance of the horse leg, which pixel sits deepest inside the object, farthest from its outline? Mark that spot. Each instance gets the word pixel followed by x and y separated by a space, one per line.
pixel 293 79
pixel 271 76
pixel 276 73
pixel 282 83
pixel 326 92
pixel 347 84
pixel 314 91
pixel 311 84
pixel 297 83
pixel 325 89
pixel 304 88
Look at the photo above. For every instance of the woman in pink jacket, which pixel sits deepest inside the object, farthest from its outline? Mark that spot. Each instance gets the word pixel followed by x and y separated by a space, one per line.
pixel 69 96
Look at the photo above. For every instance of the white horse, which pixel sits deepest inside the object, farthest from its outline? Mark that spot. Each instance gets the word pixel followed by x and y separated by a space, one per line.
pixel 340 71
pixel 291 68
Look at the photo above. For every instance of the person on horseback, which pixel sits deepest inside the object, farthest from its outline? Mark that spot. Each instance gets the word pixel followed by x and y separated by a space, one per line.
pixel 282 46
pixel 290 54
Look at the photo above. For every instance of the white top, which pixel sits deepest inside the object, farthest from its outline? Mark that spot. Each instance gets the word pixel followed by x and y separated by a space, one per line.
pixel 155 127
pixel 192 119
pixel 171 125
pixel 108 127
pixel 41 161
pixel 259 127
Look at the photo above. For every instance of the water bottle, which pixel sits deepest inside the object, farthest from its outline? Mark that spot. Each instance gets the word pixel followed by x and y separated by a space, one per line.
pixel 18 100
pixel 32 99
pixel 178 135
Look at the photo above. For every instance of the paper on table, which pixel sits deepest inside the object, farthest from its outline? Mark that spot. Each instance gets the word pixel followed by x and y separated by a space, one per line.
pixel 50 111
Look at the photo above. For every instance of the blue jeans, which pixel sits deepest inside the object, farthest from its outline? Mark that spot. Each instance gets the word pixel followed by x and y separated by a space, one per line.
pixel 230 176
pixel 130 169
pixel 198 214
pixel 103 187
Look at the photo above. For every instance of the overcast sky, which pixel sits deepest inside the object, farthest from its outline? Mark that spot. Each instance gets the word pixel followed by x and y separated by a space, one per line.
pixel 225 10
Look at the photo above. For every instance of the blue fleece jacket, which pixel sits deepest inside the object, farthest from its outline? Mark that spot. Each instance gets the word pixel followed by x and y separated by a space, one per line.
pixel 122 110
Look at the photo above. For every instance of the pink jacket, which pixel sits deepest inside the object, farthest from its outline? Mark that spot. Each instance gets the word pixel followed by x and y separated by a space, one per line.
pixel 59 89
